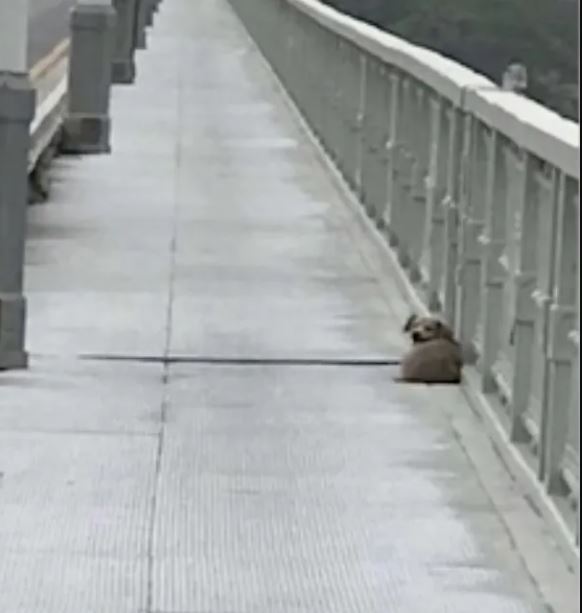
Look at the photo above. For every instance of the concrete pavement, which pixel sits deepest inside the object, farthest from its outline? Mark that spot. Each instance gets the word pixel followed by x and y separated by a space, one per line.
pixel 206 425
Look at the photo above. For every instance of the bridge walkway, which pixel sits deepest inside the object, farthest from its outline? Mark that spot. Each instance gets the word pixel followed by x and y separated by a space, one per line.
pixel 209 423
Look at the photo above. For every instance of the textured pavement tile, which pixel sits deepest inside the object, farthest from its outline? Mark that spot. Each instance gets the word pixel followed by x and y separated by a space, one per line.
pixel 58 583
pixel 56 395
pixel 87 494
pixel 320 489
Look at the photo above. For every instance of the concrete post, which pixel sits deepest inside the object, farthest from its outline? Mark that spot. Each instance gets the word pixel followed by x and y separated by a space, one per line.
pixel 151 12
pixel 17 105
pixel 87 125
pixel 124 54
pixel 141 22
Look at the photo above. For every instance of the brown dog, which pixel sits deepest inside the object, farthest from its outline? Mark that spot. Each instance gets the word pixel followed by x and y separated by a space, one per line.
pixel 435 356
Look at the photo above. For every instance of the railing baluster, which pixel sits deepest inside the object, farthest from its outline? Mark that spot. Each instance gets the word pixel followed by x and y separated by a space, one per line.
pixel 393 200
pixel 434 239
pixel 482 196
pixel 420 130
pixel 523 327
pixel 451 213
pixel 562 321
pixel 498 274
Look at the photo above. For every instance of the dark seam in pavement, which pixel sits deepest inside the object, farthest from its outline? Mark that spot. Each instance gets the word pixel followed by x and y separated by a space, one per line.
pixel 244 361
pixel 165 360
pixel 73 431
pixel 190 611
pixel 154 501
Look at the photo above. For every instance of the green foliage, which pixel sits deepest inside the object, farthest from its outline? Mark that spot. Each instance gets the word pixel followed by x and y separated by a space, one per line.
pixel 487 35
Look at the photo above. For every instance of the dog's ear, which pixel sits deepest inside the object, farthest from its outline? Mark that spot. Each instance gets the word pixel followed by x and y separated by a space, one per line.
pixel 410 323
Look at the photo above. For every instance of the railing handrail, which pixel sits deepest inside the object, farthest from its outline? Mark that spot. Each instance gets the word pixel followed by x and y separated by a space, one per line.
pixel 530 125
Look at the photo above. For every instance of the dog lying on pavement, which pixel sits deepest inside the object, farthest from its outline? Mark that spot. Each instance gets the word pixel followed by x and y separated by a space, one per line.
pixel 435 356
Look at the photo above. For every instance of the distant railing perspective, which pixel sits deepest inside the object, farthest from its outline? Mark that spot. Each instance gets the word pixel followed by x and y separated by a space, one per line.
pixel 60 104
pixel 50 76
pixel 476 191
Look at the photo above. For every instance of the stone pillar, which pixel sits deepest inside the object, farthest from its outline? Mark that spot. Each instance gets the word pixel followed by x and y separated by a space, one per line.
pixel 87 126
pixel 124 54
pixel 17 106
pixel 151 9
pixel 141 19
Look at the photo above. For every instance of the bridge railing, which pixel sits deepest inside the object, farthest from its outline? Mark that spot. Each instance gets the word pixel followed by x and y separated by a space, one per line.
pixel 49 79
pixel 476 190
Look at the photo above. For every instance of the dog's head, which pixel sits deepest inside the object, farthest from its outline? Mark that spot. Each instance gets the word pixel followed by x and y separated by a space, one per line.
pixel 423 329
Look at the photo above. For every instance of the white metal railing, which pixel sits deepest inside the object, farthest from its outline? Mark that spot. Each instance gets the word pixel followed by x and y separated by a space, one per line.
pixel 49 79
pixel 475 188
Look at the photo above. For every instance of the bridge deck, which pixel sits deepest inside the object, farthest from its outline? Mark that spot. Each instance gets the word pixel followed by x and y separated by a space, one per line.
pixel 204 427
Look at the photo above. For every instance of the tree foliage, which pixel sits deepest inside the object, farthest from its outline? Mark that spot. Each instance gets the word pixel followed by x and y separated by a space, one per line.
pixel 488 35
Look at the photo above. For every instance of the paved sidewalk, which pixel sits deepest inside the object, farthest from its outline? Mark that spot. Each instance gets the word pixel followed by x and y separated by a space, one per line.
pixel 204 427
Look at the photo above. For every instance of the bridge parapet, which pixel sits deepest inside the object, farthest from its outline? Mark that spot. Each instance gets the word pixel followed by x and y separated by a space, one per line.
pixel 476 191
